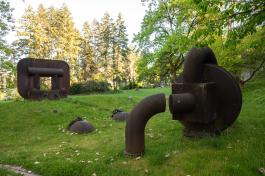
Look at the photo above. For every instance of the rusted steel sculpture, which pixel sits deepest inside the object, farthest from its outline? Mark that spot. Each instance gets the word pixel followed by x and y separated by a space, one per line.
pixel 29 72
pixel 214 96
pixel 138 118
pixel 206 99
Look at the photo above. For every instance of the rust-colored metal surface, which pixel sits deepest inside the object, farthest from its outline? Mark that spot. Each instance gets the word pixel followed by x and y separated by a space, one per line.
pixel 206 99
pixel 194 61
pixel 138 118
pixel 216 93
pixel 119 115
pixel 29 72
pixel 80 126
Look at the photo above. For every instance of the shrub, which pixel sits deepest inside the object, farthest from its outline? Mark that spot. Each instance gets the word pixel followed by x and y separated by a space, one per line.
pixel 76 88
pixel 89 87
pixel 131 85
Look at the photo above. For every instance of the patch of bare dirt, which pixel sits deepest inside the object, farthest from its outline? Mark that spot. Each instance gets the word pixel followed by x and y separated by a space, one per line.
pixel 18 170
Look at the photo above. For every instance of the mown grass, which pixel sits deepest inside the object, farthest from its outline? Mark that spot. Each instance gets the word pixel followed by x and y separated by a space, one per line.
pixel 7 173
pixel 32 135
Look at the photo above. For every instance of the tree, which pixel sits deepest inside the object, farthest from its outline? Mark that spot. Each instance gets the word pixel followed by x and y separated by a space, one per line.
pixel 7 67
pixel 133 58
pixel 240 29
pixel 112 45
pixel 245 59
pixel 105 48
pixel 6 24
pixel 171 27
pixel 99 53
pixel 50 33
pixel 88 64
pixel 168 31
pixel 99 76
pixel 41 47
pixel 122 50
pixel 66 40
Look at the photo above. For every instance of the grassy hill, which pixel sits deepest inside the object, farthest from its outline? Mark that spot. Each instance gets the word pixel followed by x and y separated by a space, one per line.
pixel 33 135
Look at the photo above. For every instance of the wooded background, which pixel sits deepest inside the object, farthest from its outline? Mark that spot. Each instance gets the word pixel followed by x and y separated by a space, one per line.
pixel 102 52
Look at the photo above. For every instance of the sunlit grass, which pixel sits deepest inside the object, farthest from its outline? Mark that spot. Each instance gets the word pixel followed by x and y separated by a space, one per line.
pixel 33 135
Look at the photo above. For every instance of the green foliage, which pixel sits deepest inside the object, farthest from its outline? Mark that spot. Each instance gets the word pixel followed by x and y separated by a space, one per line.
pixel 7 67
pixel 238 151
pixel 87 53
pixel 89 87
pixel 242 18
pixel 168 31
pixel 99 52
pixel 6 24
pixel 246 57
pixel 50 33
pixel 171 27
pixel 105 51
pixel 234 19
pixel 131 85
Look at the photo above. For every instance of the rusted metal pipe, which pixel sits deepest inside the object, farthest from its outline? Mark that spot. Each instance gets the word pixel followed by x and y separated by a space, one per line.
pixel 216 93
pixel 45 71
pixel 138 118
pixel 181 103
pixel 194 61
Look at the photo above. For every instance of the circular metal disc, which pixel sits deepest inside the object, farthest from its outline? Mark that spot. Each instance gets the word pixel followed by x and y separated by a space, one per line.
pixel 228 95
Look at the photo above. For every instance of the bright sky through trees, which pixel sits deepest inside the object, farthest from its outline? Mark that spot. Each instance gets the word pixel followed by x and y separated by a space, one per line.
pixel 86 10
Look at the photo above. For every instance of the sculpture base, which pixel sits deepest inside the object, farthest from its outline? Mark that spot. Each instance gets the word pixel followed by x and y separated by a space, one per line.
pixel 200 133
pixel 133 155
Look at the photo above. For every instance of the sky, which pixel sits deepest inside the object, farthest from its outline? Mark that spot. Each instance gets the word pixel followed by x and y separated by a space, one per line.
pixel 86 10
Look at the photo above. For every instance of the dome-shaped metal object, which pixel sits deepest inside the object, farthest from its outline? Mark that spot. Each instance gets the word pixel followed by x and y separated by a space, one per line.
pixel 120 116
pixel 80 126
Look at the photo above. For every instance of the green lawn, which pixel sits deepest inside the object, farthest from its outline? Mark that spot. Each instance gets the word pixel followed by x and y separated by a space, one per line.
pixel 33 136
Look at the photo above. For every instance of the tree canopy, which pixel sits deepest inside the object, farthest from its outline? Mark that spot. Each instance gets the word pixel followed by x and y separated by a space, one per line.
pixel 98 52
pixel 171 27
pixel 101 50
pixel 6 25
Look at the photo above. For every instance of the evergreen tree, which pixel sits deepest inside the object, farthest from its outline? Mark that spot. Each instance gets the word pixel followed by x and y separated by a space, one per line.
pixel 87 53
pixel 25 32
pixel 7 67
pixel 6 24
pixel 133 58
pixel 105 46
pixel 50 34
pixel 115 73
pixel 122 48
pixel 67 39
pixel 97 54
pixel 42 42
pixel 100 53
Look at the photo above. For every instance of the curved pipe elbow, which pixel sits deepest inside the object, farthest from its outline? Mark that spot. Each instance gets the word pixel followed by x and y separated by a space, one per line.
pixel 194 61
pixel 138 118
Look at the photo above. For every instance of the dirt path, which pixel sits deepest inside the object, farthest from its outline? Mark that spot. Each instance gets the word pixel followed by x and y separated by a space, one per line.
pixel 18 170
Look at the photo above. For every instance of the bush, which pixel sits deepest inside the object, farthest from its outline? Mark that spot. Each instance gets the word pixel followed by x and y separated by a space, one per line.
pixel 76 88
pixel 89 87
pixel 131 85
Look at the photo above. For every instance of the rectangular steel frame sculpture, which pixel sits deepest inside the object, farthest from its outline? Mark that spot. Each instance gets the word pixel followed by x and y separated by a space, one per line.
pixel 30 70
